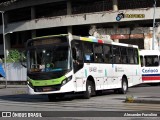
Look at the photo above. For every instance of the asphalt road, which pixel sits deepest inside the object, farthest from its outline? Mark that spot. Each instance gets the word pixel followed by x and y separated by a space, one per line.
pixel 15 99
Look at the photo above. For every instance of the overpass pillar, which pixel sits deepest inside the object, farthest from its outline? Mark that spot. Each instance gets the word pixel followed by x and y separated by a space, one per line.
pixel 69 12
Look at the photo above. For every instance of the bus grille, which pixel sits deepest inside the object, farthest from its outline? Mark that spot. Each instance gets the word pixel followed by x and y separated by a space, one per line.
pixel 47 88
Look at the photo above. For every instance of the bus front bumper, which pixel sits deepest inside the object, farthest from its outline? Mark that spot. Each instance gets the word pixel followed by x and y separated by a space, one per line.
pixel 68 87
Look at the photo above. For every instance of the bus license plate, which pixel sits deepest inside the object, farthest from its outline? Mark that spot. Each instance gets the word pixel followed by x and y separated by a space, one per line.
pixel 47 89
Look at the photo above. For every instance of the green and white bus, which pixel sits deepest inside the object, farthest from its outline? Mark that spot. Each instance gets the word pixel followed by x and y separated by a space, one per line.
pixel 60 64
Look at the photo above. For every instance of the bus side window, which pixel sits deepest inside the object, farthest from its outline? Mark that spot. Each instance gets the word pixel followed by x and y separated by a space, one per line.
pixel 151 60
pixel 116 55
pixel 98 53
pixel 142 63
pixel 159 60
pixel 148 60
pixel 107 54
pixel 88 52
pixel 136 58
pixel 156 63
pixel 130 56
pixel 77 55
pixel 77 51
pixel 124 55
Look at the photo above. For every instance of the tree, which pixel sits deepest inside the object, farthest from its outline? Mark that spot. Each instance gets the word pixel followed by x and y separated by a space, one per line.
pixel 13 56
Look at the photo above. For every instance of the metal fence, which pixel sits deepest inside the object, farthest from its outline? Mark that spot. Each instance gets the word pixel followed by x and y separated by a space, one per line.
pixel 15 72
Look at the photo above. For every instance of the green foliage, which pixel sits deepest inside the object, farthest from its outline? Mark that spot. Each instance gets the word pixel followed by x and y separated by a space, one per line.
pixel 13 56
pixel 129 99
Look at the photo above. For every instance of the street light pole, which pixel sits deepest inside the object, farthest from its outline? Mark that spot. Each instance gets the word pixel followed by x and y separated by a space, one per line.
pixel 4 46
pixel 153 40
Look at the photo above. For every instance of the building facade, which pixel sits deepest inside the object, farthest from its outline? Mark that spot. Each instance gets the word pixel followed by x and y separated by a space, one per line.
pixel 126 21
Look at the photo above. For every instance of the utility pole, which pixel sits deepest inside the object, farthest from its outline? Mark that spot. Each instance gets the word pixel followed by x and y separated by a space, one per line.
pixel 153 40
pixel 4 46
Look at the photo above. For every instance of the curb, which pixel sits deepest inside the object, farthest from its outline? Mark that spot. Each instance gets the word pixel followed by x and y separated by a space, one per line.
pixel 12 86
pixel 141 100
pixel 146 101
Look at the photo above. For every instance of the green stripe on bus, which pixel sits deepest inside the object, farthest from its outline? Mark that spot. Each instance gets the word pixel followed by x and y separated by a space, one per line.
pixel 85 72
pixel 139 58
pixel 136 71
pixel 47 82
pixel 105 72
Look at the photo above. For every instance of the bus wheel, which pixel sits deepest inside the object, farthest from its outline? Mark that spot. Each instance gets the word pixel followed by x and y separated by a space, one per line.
pixel 124 87
pixel 51 97
pixel 60 96
pixel 99 92
pixel 89 90
pixel 153 84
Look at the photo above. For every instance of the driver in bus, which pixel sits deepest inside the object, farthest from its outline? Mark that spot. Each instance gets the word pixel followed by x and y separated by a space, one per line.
pixel 42 67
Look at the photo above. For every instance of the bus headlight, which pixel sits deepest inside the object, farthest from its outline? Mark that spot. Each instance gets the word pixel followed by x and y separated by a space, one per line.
pixel 66 80
pixel 29 83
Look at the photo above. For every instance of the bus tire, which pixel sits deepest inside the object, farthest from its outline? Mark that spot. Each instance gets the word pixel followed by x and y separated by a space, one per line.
pixel 153 84
pixel 51 97
pixel 99 92
pixel 60 96
pixel 124 86
pixel 89 90
pixel 55 97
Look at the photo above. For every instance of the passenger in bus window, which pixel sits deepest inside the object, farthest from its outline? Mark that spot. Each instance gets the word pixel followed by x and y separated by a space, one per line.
pixel 156 62
pixel 42 67
pixel 148 62
pixel 76 55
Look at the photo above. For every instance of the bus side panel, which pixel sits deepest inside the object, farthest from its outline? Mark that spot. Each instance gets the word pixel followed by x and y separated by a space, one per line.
pixel 80 79
pixel 136 75
pixel 150 74
pixel 114 76
pixel 108 76
pixel 94 70
pixel 150 66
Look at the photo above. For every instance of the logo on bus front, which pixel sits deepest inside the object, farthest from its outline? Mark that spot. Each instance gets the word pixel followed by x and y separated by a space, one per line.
pixel 92 69
pixel 150 70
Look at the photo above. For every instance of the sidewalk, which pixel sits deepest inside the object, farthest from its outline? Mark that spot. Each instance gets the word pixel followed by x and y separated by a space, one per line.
pixel 12 86
pixel 13 89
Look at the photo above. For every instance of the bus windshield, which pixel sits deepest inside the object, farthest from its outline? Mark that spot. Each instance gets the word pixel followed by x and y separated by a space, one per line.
pixel 49 59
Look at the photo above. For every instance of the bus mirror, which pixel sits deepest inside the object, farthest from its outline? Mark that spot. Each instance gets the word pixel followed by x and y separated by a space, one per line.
pixel 23 59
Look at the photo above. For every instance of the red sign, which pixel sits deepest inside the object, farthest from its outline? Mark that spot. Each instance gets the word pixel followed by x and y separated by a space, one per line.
pixel 133 36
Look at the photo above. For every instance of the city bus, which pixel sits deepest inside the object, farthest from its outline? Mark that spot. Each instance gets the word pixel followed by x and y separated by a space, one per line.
pixel 61 64
pixel 150 66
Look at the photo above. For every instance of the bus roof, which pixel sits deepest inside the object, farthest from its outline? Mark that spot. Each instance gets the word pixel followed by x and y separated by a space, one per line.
pixel 49 36
pixel 149 52
pixel 96 40
pixel 89 39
